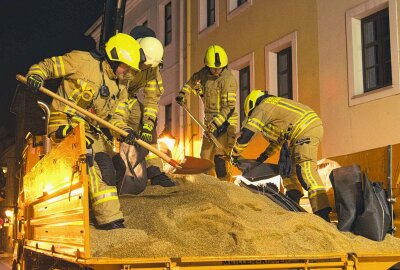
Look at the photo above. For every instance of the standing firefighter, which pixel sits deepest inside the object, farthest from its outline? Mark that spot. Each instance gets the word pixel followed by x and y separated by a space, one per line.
pixel 141 117
pixel 298 129
pixel 216 86
pixel 91 81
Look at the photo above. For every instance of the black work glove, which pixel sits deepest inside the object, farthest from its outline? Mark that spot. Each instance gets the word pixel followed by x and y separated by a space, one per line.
pixel 34 82
pixel 180 99
pixel 62 131
pixel 131 137
pixel 263 157
pixel 146 133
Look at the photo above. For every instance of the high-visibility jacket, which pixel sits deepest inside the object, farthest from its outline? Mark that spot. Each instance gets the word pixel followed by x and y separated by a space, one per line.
pixel 218 95
pixel 287 117
pixel 151 82
pixel 82 78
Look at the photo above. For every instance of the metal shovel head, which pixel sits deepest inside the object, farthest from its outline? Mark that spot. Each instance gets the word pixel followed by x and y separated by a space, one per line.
pixel 255 171
pixel 134 180
pixel 192 165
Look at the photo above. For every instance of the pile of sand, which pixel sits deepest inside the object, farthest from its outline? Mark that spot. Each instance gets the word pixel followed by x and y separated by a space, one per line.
pixel 205 217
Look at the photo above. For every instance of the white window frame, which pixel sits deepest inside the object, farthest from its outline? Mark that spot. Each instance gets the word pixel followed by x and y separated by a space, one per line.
pixel 271 64
pixel 202 18
pixel 234 10
pixel 161 27
pixel 235 66
pixel 354 51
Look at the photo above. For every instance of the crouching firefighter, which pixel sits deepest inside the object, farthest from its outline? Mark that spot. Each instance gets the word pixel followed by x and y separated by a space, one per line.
pixel 90 79
pixel 298 130
pixel 216 86
pixel 141 116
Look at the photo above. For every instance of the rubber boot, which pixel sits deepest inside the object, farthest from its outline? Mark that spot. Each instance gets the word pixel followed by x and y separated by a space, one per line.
pixel 159 178
pixel 116 224
pixel 324 213
pixel 295 195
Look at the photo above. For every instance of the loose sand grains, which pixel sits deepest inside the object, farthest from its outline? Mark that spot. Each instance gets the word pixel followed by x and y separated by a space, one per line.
pixel 203 216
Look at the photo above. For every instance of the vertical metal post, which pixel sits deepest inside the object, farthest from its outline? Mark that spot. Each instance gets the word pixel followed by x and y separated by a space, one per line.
pixel 390 198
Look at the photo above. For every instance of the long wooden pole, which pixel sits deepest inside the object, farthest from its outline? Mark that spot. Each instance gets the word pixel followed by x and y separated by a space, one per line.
pixel 103 122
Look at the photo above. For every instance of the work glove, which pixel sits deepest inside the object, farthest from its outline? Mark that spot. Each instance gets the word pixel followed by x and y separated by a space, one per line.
pixel 34 82
pixel 62 131
pixel 263 157
pixel 131 137
pixel 89 142
pixel 180 99
pixel 146 133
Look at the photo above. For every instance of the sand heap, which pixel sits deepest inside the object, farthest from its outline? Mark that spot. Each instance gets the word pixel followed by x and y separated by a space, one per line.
pixel 205 217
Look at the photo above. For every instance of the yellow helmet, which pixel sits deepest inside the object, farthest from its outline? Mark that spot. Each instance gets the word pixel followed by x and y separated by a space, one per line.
pixel 124 48
pixel 215 57
pixel 251 100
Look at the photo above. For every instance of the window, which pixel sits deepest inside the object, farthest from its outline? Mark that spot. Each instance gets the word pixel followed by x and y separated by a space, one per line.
pixel 244 89
pixel 236 7
pixel 372 55
pixel 210 12
pixel 281 67
pixel 168 118
pixel 284 73
pixel 241 2
pixel 168 24
pixel 145 23
pixel 376 51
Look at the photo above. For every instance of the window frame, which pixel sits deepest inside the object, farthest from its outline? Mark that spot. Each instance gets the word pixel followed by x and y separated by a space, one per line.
pixel 234 10
pixel 203 29
pixel 271 62
pixel 356 94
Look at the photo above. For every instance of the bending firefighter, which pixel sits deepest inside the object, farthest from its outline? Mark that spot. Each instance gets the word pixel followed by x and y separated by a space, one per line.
pixel 141 117
pixel 298 130
pixel 91 81
pixel 216 86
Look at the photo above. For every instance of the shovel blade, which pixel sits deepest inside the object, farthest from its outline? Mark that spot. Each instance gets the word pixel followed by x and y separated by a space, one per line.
pixel 192 165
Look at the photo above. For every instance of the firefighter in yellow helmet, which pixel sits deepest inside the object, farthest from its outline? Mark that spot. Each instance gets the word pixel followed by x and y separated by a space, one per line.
pixel 298 130
pixel 141 116
pixel 216 86
pixel 90 79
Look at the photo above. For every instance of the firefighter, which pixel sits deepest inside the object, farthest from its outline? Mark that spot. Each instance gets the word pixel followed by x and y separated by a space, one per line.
pixel 90 79
pixel 142 116
pixel 298 130
pixel 216 86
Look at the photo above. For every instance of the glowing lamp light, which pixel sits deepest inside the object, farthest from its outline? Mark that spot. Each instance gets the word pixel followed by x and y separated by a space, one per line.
pixel 9 213
pixel 167 139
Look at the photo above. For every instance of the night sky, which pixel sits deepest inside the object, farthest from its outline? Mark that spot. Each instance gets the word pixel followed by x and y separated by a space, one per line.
pixel 33 30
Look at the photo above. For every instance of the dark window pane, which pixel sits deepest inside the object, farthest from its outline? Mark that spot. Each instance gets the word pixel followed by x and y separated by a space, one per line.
pixel 210 12
pixel 241 2
pixel 285 73
pixel 168 24
pixel 377 68
pixel 244 89
pixel 145 23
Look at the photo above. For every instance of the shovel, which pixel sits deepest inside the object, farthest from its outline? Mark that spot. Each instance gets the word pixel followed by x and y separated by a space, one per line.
pixel 189 165
pixel 208 133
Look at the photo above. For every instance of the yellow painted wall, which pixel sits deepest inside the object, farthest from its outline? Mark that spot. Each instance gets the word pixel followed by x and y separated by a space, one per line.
pixel 262 23
pixel 356 128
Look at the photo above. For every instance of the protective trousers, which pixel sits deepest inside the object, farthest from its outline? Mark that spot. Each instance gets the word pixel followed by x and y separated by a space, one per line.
pixel 102 190
pixel 210 151
pixel 304 151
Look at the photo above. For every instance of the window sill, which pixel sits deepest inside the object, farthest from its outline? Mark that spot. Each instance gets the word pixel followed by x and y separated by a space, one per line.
pixel 239 10
pixel 387 91
pixel 207 30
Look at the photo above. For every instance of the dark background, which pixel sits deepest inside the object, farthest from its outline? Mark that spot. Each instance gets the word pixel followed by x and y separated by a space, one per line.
pixel 33 30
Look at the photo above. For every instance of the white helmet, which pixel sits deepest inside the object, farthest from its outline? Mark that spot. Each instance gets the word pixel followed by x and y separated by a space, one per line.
pixel 153 49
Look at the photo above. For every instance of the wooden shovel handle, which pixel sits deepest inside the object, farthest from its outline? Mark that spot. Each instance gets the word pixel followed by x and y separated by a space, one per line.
pixel 122 132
